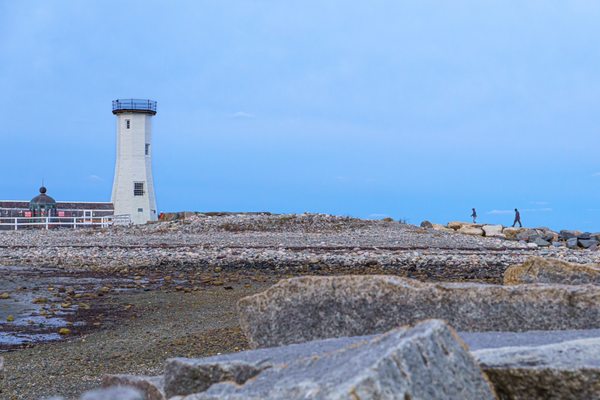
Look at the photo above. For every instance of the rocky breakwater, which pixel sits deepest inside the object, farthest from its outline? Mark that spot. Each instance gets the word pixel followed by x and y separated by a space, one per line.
pixel 548 270
pixel 276 244
pixel 535 237
pixel 309 308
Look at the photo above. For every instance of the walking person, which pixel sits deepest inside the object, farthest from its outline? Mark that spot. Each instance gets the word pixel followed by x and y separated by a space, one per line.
pixel 517 219
pixel 474 215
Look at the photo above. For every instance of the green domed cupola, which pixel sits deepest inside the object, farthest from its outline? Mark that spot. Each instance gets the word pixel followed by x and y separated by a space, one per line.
pixel 42 204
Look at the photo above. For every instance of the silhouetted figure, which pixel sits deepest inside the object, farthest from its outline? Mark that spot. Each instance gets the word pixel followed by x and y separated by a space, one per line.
pixel 517 219
pixel 474 215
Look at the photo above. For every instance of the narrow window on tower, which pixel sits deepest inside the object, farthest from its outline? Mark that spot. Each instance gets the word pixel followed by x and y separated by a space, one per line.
pixel 138 188
pixel 147 149
pixel 128 123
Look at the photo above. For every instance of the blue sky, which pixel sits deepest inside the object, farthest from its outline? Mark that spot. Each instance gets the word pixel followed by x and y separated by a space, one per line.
pixel 416 110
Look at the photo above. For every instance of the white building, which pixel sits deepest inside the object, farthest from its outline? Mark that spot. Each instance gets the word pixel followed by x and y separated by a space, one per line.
pixel 133 186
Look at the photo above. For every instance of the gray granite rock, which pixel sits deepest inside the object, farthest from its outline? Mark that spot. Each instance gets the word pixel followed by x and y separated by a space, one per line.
pixel 511 233
pixel 400 364
pixel 151 386
pixel 567 370
pixel 471 230
pixel 527 235
pixel 587 243
pixel 566 234
pixel 541 242
pixel 426 224
pixel 185 372
pixel 307 308
pixel 548 235
pixel 572 243
pixel 114 393
pixel 492 340
pixel 456 225
pixel 185 376
pixel 493 231
pixel 548 270
pixel 279 357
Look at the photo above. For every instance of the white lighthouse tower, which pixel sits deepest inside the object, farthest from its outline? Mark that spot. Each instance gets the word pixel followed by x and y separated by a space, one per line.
pixel 133 186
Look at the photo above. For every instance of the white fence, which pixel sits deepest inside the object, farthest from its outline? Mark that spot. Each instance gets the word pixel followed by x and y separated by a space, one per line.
pixel 16 223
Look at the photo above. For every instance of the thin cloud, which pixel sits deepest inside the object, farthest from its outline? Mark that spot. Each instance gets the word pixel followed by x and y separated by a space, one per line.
pixel 504 212
pixel 94 179
pixel 242 115
pixel 378 216
pixel 539 203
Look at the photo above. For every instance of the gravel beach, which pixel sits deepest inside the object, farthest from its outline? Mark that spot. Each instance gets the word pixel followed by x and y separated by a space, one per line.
pixel 282 244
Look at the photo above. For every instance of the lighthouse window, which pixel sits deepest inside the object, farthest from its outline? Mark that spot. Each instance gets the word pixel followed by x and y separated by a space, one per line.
pixel 128 123
pixel 147 149
pixel 138 188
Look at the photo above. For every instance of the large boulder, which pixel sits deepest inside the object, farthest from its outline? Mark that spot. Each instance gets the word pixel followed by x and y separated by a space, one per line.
pixel 547 234
pixel 565 234
pixel 567 370
pixel 541 242
pixel 442 228
pixel 511 233
pixel 152 387
pixel 471 230
pixel 428 361
pixel 587 243
pixel 307 308
pixel 455 225
pixel 184 376
pixel 493 231
pixel 528 235
pixel 426 224
pixel 550 270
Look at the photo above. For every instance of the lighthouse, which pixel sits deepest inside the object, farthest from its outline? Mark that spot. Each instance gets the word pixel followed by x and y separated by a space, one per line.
pixel 133 186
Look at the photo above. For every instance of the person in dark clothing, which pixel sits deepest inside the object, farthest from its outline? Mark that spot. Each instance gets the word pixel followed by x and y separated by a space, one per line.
pixel 517 218
pixel 474 215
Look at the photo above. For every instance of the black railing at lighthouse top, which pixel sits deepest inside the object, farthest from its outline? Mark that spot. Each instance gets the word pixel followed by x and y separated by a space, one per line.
pixel 136 105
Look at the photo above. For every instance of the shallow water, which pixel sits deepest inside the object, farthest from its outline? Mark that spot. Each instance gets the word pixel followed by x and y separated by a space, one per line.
pixel 39 322
pixel 15 339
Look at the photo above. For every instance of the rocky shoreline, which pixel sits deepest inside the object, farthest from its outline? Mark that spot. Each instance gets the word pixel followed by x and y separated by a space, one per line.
pixel 285 244
pixel 208 262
